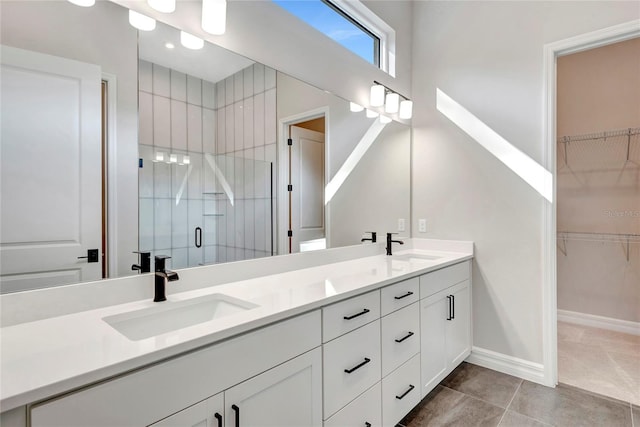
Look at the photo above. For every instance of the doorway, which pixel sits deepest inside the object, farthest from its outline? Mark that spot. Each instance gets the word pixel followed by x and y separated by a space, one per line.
pixel 552 244
pixel 304 216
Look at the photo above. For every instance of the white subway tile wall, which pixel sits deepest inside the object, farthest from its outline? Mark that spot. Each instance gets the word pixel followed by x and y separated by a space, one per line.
pixel 214 205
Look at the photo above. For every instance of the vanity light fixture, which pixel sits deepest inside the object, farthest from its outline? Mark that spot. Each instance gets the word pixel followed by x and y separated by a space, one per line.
pixel 214 16
pixel 141 22
pixel 186 160
pixel 173 158
pixel 406 109
pixel 190 41
pixel 376 98
pixel 159 157
pixel 355 108
pixel 372 114
pixel 385 119
pixel 164 6
pixel 83 3
pixel 391 103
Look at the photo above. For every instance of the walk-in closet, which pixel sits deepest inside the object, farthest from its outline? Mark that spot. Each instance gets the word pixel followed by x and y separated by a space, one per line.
pixel 598 220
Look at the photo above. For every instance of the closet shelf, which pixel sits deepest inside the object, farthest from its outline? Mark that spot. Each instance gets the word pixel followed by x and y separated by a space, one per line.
pixel 618 148
pixel 624 239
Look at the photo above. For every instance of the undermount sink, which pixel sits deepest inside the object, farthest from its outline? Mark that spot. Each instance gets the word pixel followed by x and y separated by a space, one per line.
pixel 170 316
pixel 415 257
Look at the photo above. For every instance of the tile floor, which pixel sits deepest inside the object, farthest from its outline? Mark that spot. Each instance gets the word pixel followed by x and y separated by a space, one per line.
pixel 601 361
pixel 476 396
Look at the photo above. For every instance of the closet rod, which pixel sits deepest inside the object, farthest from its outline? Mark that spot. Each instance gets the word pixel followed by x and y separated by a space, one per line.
pixel 628 132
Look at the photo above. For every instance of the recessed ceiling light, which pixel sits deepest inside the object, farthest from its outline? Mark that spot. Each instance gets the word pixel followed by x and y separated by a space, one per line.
pixel 169 45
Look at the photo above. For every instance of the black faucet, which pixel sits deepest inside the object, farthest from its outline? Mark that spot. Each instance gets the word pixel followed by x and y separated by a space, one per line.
pixel 145 262
pixel 389 242
pixel 372 239
pixel 161 275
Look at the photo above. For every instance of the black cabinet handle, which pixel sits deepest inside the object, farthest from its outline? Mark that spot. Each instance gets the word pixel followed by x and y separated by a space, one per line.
pixel 366 360
pixel 237 411
pixel 449 302
pixel 198 237
pixel 411 387
pixel 404 296
pixel 353 316
pixel 453 306
pixel 366 424
pixel 219 418
pixel 410 334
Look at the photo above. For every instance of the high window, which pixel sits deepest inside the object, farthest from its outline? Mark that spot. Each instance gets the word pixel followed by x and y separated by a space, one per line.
pixel 351 24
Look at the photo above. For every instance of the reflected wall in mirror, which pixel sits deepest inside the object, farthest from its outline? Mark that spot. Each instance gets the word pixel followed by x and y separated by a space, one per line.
pixel 68 143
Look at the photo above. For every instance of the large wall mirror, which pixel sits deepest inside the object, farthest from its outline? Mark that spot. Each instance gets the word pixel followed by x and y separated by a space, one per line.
pixel 124 142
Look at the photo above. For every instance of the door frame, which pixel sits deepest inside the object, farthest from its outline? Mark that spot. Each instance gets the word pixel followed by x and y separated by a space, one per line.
pixel 552 51
pixel 111 174
pixel 283 172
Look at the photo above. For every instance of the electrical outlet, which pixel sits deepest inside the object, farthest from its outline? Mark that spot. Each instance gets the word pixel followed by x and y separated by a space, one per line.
pixel 401 224
pixel 422 225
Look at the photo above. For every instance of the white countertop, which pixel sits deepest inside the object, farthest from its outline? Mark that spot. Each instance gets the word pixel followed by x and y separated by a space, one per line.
pixel 43 358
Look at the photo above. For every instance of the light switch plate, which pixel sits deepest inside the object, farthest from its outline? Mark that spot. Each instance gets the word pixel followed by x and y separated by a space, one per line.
pixel 401 224
pixel 422 225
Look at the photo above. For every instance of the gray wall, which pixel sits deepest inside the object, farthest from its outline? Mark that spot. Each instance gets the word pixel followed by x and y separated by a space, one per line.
pixel 488 56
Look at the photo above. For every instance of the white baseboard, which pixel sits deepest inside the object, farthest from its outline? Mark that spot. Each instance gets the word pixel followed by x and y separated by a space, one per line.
pixel 520 368
pixel 601 322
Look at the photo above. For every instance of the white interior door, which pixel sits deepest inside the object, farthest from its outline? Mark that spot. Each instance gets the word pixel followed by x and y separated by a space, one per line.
pixel 308 181
pixel 50 158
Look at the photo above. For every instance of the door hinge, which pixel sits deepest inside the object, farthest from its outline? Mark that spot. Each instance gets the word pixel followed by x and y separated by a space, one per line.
pixel 289 141
pixel 290 233
pixel 289 187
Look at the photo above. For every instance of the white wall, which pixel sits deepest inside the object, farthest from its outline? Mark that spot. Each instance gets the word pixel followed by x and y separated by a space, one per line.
pixel 266 33
pixel 97 35
pixel 488 56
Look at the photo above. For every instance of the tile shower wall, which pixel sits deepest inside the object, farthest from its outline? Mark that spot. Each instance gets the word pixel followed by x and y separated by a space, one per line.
pixel 214 205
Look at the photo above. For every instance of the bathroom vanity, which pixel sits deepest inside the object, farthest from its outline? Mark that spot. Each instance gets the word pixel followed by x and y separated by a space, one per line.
pixel 357 342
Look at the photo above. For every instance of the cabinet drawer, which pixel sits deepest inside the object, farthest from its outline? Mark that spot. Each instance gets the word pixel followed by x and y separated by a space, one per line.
pixel 179 382
pixel 345 316
pixel 400 337
pixel 399 295
pixel 365 409
pixel 351 365
pixel 401 391
pixel 438 280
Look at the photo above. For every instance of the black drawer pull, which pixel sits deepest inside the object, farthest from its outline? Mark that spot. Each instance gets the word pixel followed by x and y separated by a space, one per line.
pixel 411 387
pixel 366 360
pixel 410 334
pixel 237 411
pixel 353 316
pixel 404 296
pixel 449 302
pixel 219 418
pixel 366 424
pixel 453 306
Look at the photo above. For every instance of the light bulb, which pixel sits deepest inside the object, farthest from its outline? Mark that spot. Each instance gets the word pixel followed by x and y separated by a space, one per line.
pixel 190 41
pixel 406 109
pixel 164 6
pixel 83 3
pixel 355 108
pixel 173 158
pixel 385 119
pixel 371 114
pixel 377 95
pixel 391 104
pixel 159 157
pixel 186 160
pixel 141 22
pixel 214 16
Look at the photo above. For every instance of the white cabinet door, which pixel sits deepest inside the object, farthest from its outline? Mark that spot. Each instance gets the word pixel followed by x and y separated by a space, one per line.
pixel 208 413
pixel 287 395
pixel 433 350
pixel 458 331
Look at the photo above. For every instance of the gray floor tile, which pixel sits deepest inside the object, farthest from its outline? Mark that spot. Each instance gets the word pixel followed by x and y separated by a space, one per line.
pixel 563 406
pixel 513 419
pixel 446 407
pixel 491 386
